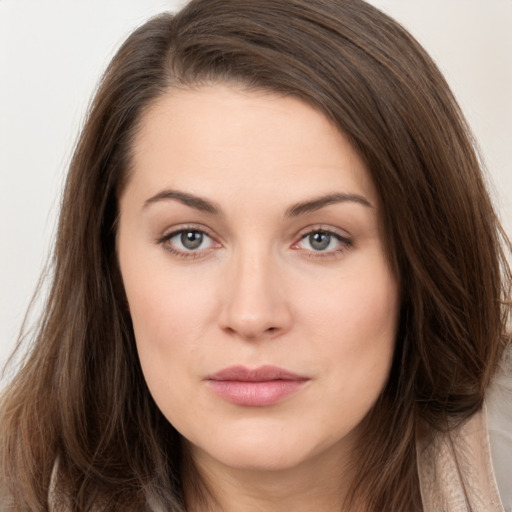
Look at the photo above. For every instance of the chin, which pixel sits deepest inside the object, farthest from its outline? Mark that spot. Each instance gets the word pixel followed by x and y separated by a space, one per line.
pixel 261 459
pixel 252 451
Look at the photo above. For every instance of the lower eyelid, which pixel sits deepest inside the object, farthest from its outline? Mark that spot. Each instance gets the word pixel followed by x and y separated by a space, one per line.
pixel 190 255
pixel 332 254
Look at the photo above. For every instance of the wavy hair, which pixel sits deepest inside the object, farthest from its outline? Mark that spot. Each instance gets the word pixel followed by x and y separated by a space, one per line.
pixel 78 427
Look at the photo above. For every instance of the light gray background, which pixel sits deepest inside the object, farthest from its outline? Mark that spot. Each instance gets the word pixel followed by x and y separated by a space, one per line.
pixel 53 52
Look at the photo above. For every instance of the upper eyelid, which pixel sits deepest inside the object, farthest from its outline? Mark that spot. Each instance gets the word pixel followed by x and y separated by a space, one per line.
pixel 187 227
pixel 341 233
pixel 342 239
pixel 325 231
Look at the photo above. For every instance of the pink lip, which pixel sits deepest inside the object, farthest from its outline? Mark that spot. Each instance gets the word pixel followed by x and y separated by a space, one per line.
pixel 258 387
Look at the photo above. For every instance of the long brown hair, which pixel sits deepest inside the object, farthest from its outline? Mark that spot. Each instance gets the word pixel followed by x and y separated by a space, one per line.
pixel 78 420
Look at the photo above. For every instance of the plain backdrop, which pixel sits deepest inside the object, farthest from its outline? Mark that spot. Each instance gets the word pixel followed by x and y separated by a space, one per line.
pixel 53 52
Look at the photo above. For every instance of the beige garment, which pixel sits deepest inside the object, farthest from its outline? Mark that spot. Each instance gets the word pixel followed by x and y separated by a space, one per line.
pixel 455 470
pixel 499 419
pixel 470 469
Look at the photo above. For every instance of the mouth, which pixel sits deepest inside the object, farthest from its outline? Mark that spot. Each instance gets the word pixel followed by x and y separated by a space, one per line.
pixel 258 387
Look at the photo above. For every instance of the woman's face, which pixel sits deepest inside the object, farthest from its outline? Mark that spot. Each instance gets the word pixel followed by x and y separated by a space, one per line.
pixel 263 306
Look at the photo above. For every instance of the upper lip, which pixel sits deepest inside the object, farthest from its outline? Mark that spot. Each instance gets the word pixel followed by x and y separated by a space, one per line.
pixel 260 374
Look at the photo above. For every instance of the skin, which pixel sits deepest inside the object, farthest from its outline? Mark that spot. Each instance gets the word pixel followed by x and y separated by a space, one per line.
pixel 257 291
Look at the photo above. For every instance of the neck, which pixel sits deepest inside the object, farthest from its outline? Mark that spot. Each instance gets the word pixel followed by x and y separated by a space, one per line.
pixel 321 484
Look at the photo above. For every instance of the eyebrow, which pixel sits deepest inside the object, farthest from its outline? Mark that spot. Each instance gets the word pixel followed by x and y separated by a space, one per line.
pixel 301 208
pixel 196 202
pixel 316 204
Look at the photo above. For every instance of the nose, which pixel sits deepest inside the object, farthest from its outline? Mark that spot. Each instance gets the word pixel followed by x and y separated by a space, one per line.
pixel 255 305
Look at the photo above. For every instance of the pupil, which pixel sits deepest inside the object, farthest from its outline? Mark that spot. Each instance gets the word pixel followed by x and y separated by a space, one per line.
pixel 319 241
pixel 191 239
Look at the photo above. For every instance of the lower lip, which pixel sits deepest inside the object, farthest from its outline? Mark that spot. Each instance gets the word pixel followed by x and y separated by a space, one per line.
pixel 255 394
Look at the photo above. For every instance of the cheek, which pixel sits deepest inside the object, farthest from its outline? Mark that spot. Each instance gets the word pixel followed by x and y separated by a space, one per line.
pixel 360 305
pixel 354 324
pixel 168 336
pixel 165 300
pixel 167 309
pixel 168 315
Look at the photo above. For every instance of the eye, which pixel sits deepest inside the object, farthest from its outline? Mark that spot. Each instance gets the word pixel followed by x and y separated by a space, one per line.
pixel 322 242
pixel 188 242
pixel 319 241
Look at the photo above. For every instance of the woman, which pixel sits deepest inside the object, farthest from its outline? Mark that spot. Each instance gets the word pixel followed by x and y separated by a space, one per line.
pixel 279 282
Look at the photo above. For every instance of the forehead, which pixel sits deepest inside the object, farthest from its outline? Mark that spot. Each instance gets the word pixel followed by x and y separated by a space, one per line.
pixel 219 138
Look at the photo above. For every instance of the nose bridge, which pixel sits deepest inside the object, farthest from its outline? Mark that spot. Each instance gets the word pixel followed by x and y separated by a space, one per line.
pixel 254 304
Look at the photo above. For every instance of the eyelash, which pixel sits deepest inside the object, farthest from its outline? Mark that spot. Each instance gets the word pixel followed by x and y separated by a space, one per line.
pixel 344 243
